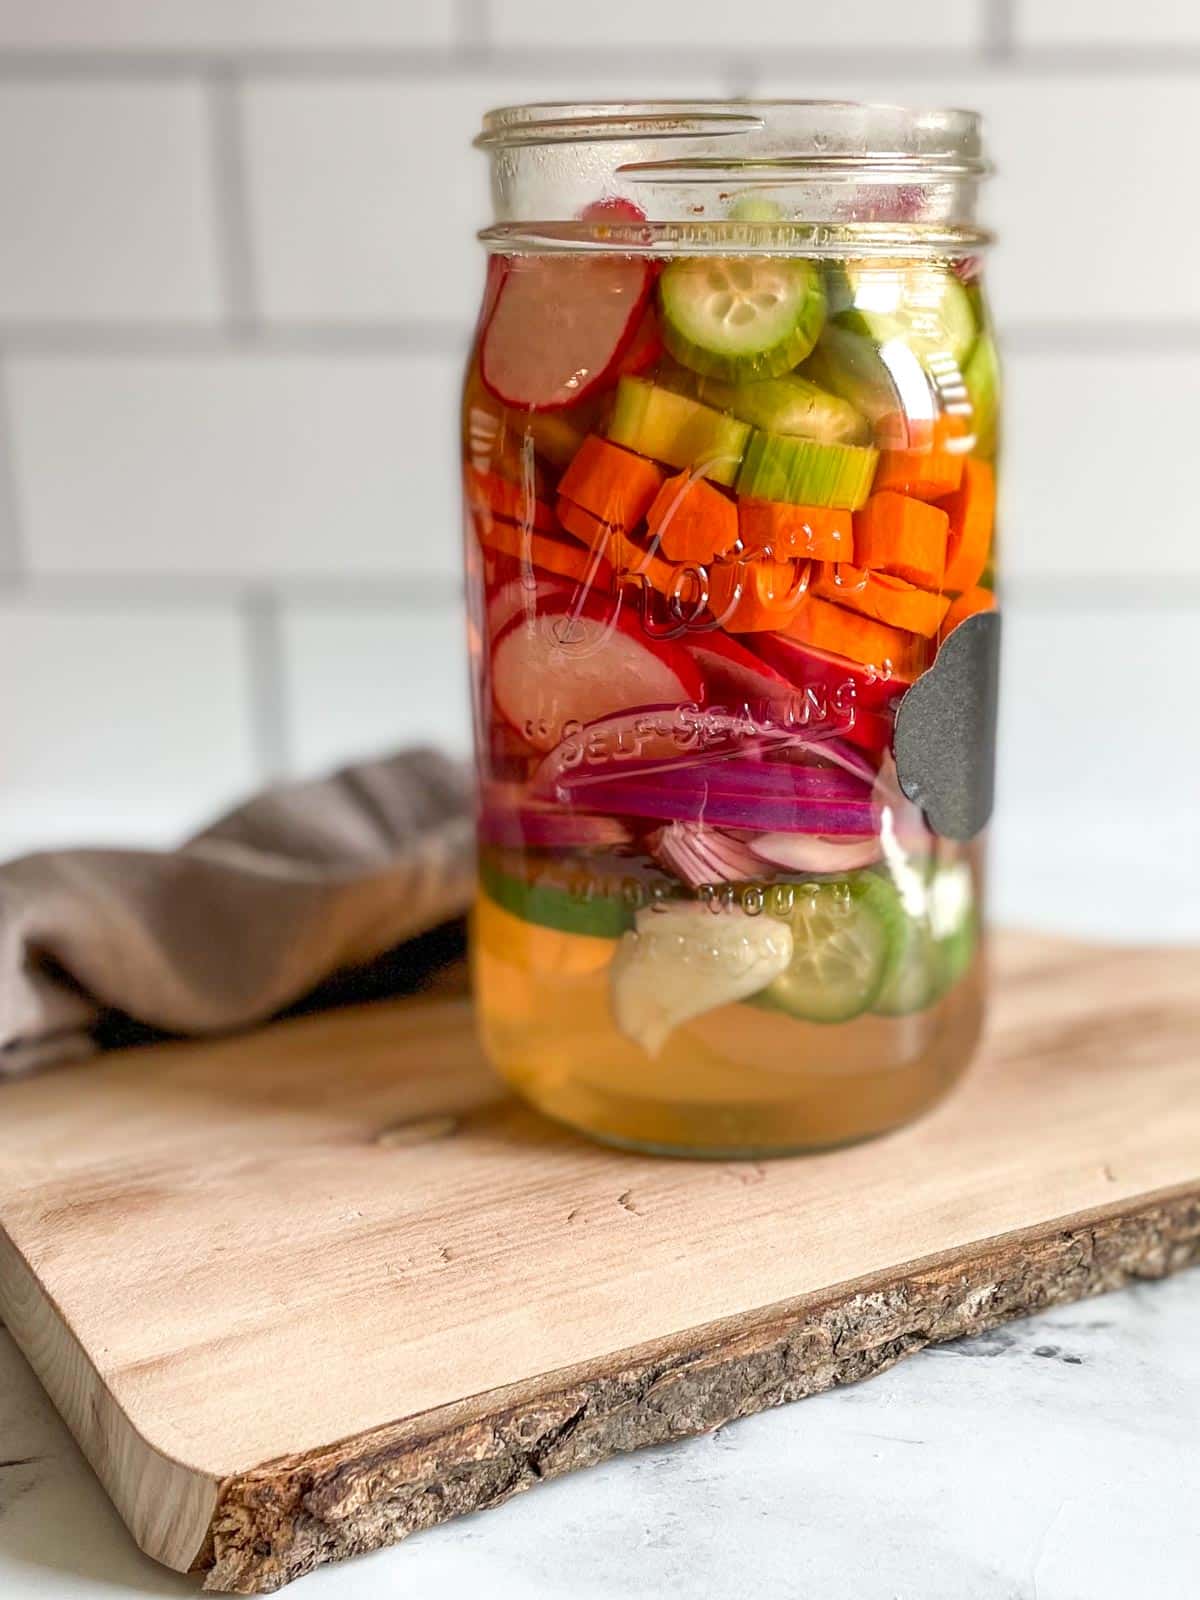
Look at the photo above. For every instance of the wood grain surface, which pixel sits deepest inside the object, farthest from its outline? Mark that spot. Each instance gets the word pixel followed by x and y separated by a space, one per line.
pixel 303 1292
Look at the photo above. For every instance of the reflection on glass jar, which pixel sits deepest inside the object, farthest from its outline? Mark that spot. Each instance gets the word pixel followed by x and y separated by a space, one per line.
pixel 729 438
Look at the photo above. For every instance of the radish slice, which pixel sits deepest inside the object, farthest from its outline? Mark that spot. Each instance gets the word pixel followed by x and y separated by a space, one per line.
pixel 517 598
pixel 733 676
pixel 560 326
pixel 613 208
pixel 565 667
pixel 847 683
pixel 651 739
pixel 644 348
pixel 810 852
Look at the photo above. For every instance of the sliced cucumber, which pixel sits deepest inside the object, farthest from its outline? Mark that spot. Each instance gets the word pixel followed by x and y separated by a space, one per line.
pixel 850 365
pixel 791 405
pixel 741 318
pixel 926 308
pixel 846 934
pixel 571 910
pixel 937 944
pixel 671 427
pixel 981 375
pixel 805 473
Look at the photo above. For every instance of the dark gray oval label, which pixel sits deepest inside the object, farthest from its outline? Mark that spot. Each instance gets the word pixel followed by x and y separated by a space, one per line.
pixel 946 730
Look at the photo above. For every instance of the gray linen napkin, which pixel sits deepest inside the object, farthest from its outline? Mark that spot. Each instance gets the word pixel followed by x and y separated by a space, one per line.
pixel 304 881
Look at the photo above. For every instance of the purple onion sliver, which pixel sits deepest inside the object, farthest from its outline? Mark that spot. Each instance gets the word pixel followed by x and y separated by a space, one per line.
pixel 698 855
pixel 551 827
pixel 783 812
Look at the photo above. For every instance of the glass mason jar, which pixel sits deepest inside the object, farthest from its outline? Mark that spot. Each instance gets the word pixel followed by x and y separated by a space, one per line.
pixel 729 455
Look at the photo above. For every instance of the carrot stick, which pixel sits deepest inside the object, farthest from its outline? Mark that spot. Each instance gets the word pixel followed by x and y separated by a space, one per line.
pixel 967 605
pixel 612 483
pixel 875 594
pixel 691 520
pixel 894 533
pixel 756 596
pixel 548 551
pixel 927 474
pixel 819 533
pixel 489 493
pixel 972 511
pixel 616 547
pixel 836 631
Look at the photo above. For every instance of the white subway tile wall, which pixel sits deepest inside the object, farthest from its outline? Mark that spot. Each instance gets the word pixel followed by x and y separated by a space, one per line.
pixel 107 196
pixel 123 723
pixel 238 277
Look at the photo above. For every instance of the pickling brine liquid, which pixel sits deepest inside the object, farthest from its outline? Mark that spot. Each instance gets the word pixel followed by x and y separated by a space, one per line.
pixel 726 515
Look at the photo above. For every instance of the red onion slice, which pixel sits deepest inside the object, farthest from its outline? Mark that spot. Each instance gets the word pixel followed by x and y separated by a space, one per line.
pixel 698 855
pixel 761 796
pixel 808 852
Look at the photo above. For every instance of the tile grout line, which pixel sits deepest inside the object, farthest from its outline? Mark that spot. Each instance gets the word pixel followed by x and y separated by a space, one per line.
pixel 266 682
pixel 13 562
pixel 1001 53
pixel 231 200
pixel 999 30
pixel 472 32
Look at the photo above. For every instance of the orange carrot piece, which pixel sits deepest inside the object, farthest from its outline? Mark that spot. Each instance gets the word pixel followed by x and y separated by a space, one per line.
pixel 488 492
pixel 621 551
pixel 549 551
pixel 818 533
pixel 887 599
pixel 894 533
pixel 612 483
pixel 692 520
pixel 972 511
pixel 759 596
pixel 925 474
pixel 889 651
pixel 967 605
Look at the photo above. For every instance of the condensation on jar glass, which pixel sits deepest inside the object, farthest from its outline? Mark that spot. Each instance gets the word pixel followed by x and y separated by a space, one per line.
pixel 729 447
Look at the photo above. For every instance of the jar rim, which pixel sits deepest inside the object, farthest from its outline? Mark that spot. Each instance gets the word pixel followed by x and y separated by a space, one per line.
pixel 807 135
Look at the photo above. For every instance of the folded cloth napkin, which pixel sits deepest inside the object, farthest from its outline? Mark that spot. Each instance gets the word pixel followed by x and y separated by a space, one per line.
pixel 304 881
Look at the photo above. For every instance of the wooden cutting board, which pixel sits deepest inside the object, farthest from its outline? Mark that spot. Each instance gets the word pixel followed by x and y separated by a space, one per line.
pixel 303 1292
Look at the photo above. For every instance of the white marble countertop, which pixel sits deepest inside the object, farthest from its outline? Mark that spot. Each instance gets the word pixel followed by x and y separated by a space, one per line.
pixel 1055 1459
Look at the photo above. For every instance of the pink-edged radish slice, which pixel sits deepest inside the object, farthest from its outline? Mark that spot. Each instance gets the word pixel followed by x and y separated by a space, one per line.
pixel 848 683
pixel 560 326
pixel 810 852
pixel 517 598
pixel 613 208
pixel 567 668
pixel 644 348
pixel 734 676
pixel 652 737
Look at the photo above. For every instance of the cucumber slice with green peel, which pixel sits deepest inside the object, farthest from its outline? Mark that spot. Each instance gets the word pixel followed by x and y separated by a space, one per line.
pixel 673 428
pixel 937 946
pixel 755 208
pixel 845 938
pixel 741 318
pixel 791 405
pixel 926 308
pixel 892 391
pixel 981 375
pixel 599 916
pixel 806 473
